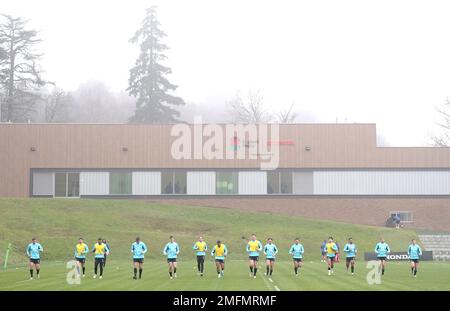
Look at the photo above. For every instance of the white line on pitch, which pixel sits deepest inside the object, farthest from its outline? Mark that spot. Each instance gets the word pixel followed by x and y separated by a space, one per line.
pixel 277 288
pixel 271 281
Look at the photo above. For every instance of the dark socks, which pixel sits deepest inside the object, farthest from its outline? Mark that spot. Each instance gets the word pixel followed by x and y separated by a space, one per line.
pixel 135 272
pixel 140 272
pixel 170 273
pixel 382 271
pixel 31 272
pixel 353 269
pixel 415 271
pixel 174 270
pixel 84 270
pixel 296 270
pixel 251 269
pixel 37 271
pixel 271 270
pixel 267 270
pixel 254 271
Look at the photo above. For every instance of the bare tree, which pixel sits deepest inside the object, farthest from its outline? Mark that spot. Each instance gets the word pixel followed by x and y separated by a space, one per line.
pixel 443 140
pixel 249 110
pixel 20 77
pixel 57 105
pixel 287 116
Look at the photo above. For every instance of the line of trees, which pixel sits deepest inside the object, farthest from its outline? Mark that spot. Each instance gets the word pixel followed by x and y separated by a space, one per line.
pixel 25 96
pixel 149 98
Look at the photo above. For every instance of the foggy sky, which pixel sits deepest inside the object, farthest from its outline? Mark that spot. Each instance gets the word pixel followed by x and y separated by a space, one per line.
pixel 384 62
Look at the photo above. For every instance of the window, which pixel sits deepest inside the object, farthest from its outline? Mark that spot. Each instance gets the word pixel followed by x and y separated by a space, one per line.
pixel 179 182
pixel 173 182
pixel 73 185
pixel 120 183
pixel 279 182
pixel 167 182
pixel 60 184
pixel 227 183
pixel 286 182
pixel 273 182
pixel 67 185
pixel 403 215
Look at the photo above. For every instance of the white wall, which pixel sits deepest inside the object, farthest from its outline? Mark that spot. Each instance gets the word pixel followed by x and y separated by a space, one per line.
pixel 94 183
pixel 252 182
pixel 146 183
pixel 201 183
pixel 43 183
pixel 382 182
pixel 302 182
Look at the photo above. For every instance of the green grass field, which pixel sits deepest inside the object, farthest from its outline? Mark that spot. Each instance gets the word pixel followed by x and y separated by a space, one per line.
pixel 58 224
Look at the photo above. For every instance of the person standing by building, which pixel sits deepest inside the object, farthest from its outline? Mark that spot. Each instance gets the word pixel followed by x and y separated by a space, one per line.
pixel 414 253
pixel 382 249
pixel 200 247
pixel 350 250
pixel 34 250
pixel 296 251
pixel 171 250
pixel 138 249
pixel 271 251
pixel 397 221
pixel 219 252
pixel 253 248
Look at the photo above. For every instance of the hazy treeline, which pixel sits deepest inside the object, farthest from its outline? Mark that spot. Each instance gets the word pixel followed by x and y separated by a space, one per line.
pixel 27 95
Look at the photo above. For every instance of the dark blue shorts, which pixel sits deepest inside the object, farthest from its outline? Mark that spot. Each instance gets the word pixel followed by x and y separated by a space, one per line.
pixel 348 259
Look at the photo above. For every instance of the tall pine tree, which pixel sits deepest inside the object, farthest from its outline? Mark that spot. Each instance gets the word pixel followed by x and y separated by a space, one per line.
pixel 20 75
pixel 148 82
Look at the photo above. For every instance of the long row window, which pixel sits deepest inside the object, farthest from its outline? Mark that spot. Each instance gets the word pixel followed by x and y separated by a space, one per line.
pixel 68 184
pixel 126 182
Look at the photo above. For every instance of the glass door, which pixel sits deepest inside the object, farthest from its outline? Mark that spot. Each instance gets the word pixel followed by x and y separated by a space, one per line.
pixel 67 185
